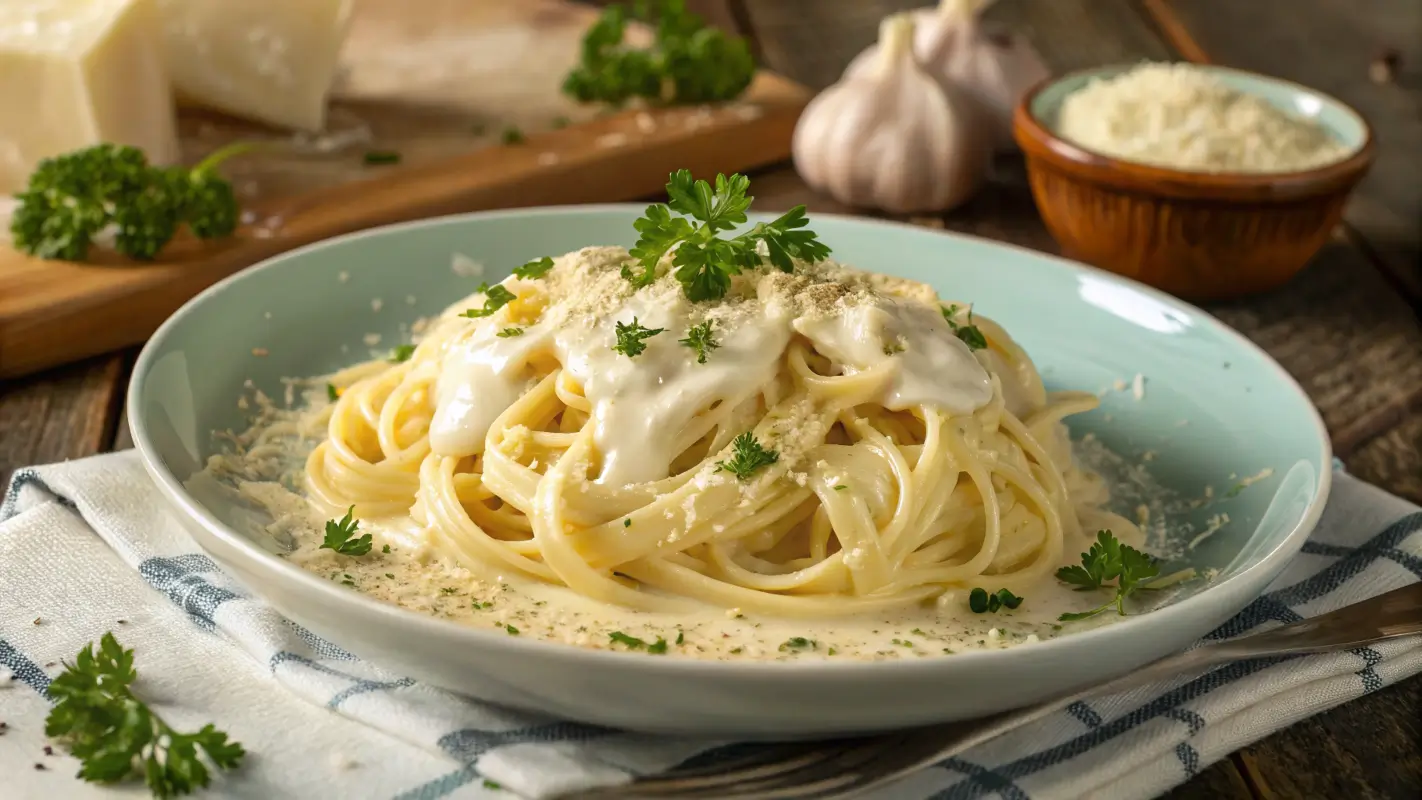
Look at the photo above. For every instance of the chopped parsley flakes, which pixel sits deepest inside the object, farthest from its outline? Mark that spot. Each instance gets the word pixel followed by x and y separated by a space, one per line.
pixel 749 455
pixel 967 334
pixel 699 338
pixel 632 339
pixel 534 269
pixel 495 298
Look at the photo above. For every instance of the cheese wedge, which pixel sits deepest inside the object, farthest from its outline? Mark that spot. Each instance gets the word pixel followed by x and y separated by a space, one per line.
pixel 74 73
pixel 268 60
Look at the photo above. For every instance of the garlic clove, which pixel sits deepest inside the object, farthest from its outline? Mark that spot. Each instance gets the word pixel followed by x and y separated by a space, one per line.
pixel 892 137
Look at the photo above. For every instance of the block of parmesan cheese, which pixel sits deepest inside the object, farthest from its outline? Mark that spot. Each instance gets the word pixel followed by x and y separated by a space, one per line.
pixel 268 60
pixel 74 73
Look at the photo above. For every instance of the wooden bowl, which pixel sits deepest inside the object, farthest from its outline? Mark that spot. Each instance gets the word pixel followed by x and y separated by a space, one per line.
pixel 1198 235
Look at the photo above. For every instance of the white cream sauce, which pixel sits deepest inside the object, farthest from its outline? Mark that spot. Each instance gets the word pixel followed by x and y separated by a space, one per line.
pixel 640 404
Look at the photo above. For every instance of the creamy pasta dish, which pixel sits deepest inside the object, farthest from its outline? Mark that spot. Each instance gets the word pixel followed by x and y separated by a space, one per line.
pixel 615 450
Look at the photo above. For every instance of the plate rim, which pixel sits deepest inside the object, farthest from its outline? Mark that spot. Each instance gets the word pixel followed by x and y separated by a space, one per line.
pixel 273 567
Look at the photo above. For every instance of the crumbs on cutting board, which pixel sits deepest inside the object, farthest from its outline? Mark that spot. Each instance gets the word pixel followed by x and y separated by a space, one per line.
pixel 343 276
pixel 371 339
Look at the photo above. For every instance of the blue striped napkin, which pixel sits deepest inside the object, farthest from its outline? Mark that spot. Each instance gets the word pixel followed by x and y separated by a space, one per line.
pixel 318 722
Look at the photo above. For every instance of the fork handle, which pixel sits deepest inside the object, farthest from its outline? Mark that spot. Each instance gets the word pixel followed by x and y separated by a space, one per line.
pixel 1387 616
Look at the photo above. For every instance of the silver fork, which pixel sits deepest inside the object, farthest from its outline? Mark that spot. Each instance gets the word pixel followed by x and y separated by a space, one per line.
pixel 844 767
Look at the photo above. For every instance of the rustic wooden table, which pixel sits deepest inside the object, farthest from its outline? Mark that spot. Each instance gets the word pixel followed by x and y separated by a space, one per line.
pixel 1347 328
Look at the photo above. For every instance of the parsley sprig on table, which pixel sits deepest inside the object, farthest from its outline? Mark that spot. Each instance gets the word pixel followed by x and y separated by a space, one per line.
pixel 749 456
pixel 688 62
pixel 1109 560
pixel 967 334
pixel 116 736
pixel 699 338
pixel 72 197
pixel 341 536
pixel 495 298
pixel 632 339
pixel 704 263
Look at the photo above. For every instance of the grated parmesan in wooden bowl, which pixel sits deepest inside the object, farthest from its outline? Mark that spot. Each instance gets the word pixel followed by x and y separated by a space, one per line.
pixel 1207 182
pixel 1180 116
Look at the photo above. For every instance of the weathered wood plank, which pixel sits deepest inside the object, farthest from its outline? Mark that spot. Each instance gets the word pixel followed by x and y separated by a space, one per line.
pixel 1331 45
pixel 1390 460
pixel 1220 780
pixel 65 413
pixel 1351 751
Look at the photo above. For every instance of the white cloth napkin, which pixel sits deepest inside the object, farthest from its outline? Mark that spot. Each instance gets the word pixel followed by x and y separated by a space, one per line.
pixel 319 723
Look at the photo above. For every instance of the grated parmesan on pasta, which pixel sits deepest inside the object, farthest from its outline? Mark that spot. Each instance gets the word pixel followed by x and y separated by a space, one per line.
pixel 1179 116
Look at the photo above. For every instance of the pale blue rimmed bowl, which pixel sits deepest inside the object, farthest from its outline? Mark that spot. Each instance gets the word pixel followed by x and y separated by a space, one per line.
pixel 1086 329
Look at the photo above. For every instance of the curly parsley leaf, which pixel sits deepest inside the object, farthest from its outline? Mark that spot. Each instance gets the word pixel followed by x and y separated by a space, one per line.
pixel 401 353
pixel 495 298
pixel 117 737
pixel 1109 560
pixel 784 241
pixel 341 536
pixel 70 198
pixel 332 393
pixel 632 339
pixel 688 61
pixel 660 231
pixel 508 333
pixel 703 263
pixel 534 269
pixel 700 339
pixel 749 456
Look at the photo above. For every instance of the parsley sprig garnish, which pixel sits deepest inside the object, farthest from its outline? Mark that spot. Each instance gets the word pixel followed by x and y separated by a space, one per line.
pixel 703 263
pixel 509 333
pixel 967 334
pixel 632 339
pixel 341 536
pixel 750 455
pixel 72 197
pixel 534 269
pixel 688 61
pixel 983 603
pixel 495 298
pixel 401 353
pixel 699 338
pixel 116 736
pixel 1109 560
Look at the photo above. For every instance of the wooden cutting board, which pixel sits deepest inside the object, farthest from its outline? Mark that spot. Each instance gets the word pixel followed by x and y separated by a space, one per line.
pixel 439 82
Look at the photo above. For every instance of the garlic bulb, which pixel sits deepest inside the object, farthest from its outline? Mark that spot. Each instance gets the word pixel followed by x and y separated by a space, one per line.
pixel 892 137
pixel 994 68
